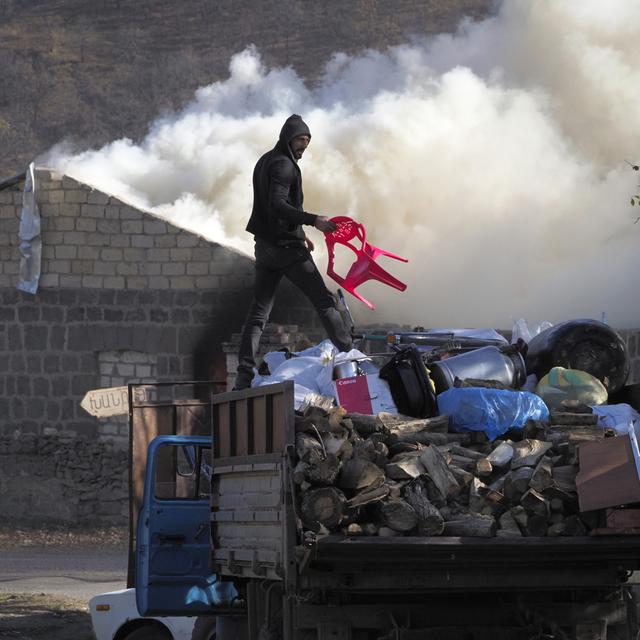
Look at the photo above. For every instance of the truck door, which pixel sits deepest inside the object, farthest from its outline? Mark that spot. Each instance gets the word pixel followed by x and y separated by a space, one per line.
pixel 173 541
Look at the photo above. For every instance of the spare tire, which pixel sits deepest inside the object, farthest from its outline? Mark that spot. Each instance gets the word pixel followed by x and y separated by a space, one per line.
pixel 587 345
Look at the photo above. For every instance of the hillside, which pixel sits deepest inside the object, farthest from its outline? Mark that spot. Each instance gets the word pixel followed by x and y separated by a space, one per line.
pixel 92 72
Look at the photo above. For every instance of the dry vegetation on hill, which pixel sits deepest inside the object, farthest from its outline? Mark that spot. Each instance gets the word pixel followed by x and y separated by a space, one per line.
pixel 94 72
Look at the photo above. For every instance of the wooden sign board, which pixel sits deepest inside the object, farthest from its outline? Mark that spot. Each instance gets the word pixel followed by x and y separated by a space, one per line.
pixel 114 401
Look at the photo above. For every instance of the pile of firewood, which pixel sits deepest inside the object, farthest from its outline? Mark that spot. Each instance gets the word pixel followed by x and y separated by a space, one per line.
pixel 393 475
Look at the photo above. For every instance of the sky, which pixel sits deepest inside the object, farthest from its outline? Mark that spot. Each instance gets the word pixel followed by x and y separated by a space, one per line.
pixel 495 159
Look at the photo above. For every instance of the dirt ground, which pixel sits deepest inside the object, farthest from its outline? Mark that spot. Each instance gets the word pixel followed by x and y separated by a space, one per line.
pixel 35 617
pixel 40 616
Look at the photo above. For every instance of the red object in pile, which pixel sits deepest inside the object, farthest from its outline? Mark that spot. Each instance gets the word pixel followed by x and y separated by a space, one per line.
pixel 365 266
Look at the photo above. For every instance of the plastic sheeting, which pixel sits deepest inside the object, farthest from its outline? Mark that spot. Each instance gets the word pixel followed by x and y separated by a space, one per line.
pixel 30 244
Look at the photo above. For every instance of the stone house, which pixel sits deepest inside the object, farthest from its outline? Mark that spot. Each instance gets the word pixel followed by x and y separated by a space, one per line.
pixel 123 296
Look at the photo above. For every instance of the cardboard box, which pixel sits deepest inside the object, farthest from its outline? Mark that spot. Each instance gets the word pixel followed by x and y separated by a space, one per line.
pixel 364 394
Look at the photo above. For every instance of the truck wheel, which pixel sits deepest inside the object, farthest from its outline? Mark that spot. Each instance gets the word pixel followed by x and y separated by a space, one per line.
pixel 204 628
pixel 155 632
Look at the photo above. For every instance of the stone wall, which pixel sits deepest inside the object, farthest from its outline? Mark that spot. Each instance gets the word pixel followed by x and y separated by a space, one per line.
pixel 116 284
pixel 63 477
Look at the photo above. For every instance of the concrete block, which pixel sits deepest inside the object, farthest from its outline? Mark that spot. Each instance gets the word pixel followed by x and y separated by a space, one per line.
pixel 173 269
pixel 97 240
pixel 136 282
pixel 62 224
pixel 111 255
pixel 97 197
pixel 154 227
pixel 129 213
pixel 134 254
pixel 127 268
pixel 70 281
pixel 151 268
pixel 120 240
pixel 66 252
pixel 92 281
pixel 141 241
pixel 207 282
pixel 75 237
pixel 75 196
pixel 86 224
pixel 115 282
pixel 166 241
pixel 105 268
pixel 95 211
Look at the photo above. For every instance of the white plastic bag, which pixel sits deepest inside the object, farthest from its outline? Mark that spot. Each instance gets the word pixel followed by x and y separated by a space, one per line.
pixel 522 330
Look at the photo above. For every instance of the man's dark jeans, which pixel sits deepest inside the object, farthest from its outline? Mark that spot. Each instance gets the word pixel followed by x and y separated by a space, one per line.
pixel 272 263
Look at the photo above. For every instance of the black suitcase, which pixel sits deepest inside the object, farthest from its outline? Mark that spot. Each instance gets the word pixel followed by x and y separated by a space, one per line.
pixel 409 382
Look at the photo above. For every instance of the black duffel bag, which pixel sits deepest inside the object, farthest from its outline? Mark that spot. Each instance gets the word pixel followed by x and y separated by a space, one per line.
pixel 409 383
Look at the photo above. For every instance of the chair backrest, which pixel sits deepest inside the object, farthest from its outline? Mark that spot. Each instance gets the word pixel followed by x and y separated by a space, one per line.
pixel 365 267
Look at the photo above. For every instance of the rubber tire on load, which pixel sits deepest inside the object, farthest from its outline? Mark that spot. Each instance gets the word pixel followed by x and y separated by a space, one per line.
pixel 204 628
pixel 149 632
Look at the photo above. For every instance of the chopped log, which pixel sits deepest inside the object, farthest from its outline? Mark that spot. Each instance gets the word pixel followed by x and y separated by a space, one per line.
pixel 417 430
pixel 430 522
pixel 365 449
pixel 405 466
pixel 556 529
pixel 359 473
pixel 306 445
pixel 573 526
pixel 466 452
pixel 476 382
pixel 395 488
pixel 397 514
pixel 520 516
pixel 463 462
pixel 579 435
pixel 388 532
pixel 325 506
pixel 569 500
pixel 498 484
pixel 471 526
pixel 370 529
pixel 508 526
pixel 322 471
pixel 439 473
pixel 483 468
pixel 556 505
pixel 314 418
pixel 501 455
pixel 336 414
pixel 542 477
pixel 463 477
pixel 381 455
pixel 367 496
pixel 354 529
pixel 393 420
pixel 556 517
pixel 535 503
pixel 337 443
pixel 364 424
pixel 404 447
pixel 577 419
pixel 565 477
pixel 528 452
pixel 516 483
pixel 476 497
pixel 537 526
pixel 299 472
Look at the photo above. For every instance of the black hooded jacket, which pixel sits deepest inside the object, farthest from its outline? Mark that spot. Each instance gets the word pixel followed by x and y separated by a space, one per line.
pixel 277 216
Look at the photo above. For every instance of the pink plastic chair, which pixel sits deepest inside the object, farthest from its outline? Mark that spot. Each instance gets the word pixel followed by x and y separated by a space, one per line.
pixel 365 266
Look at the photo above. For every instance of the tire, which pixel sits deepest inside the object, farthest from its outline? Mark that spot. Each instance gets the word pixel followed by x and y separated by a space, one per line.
pixel 204 628
pixel 149 632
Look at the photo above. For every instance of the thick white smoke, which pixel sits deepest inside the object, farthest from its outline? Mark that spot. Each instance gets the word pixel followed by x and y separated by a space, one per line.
pixel 494 159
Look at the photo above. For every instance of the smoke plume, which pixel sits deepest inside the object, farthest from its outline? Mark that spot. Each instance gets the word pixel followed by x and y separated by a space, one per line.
pixel 493 159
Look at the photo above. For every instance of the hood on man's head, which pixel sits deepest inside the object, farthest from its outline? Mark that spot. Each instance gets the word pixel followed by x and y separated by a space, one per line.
pixel 293 126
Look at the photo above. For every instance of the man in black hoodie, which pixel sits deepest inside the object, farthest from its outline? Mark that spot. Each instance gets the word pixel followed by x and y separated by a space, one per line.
pixel 282 247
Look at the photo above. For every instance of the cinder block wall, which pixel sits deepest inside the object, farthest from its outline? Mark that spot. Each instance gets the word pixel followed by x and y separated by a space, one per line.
pixel 115 280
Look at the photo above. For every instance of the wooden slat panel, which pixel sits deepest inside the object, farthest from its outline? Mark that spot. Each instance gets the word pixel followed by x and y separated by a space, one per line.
pixel 260 425
pixel 224 437
pixel 242 442
pixel 279 435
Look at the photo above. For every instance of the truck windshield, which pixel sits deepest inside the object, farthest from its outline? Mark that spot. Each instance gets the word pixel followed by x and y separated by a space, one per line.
pixel 182 473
